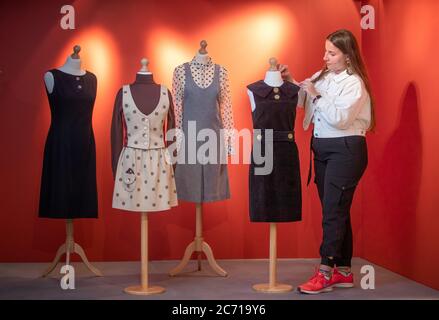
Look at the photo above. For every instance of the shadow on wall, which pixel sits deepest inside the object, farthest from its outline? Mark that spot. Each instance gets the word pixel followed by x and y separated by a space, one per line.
pixel 400 183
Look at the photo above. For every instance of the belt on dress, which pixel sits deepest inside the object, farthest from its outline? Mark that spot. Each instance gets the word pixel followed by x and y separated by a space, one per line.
pixel 277 135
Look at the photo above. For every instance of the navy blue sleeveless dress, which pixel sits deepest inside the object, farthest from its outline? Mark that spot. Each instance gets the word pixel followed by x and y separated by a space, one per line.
pixel 277 196
pixel 68 183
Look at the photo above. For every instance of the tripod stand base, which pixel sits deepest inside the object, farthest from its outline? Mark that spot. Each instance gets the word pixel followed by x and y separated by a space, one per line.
pixel 140 291
pixel 277 288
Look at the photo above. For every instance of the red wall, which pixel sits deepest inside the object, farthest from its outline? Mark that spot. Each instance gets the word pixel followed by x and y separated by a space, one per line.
pixel 400 211
pixel 242 36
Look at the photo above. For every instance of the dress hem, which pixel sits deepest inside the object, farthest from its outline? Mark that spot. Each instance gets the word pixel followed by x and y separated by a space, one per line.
pixel 147 210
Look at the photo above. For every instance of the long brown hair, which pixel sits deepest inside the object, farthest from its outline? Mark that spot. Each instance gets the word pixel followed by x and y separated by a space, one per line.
pixel 346 42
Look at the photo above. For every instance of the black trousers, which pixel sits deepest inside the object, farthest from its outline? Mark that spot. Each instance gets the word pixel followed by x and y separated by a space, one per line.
pixel 339 163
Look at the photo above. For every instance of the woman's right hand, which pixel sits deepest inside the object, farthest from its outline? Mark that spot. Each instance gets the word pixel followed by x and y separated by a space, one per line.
pixel 285 72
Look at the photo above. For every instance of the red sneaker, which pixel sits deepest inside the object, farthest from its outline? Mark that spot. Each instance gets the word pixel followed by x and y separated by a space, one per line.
pixel 339 280
pixel 317 284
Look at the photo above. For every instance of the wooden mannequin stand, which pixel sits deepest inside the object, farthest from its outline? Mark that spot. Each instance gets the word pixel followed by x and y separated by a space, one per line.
pixel 70 246
pixel 273 286
pixel 144 288
pixel 198 246
pixel 73 67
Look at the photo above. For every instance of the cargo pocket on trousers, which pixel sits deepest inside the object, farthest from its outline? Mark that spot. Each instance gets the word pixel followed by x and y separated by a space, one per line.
pixel 345 191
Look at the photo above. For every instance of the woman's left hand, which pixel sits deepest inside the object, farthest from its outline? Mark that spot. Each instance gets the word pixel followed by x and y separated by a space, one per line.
pixel 309 87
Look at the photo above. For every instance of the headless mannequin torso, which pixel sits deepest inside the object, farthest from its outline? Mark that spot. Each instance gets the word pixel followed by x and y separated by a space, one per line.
pixel 145 91
pixel 146 94
pixel 71 66
pixel 202 58
pixel 199 246
pixel 273 79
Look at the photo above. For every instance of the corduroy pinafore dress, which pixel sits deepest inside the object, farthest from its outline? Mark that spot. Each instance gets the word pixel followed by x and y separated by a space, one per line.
pixel 275 197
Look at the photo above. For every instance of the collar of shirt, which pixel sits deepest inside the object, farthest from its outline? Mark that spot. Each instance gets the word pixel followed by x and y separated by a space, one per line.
pixel 200 65
pixel 338 77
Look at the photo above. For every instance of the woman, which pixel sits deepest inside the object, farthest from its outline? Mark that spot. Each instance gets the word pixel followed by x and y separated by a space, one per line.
pixel 337 100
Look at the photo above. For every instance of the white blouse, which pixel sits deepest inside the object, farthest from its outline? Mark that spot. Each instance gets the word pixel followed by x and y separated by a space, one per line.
pixel 343 110
pixel 203 76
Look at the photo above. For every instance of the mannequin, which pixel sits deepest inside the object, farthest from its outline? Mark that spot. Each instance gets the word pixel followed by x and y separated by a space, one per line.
pixel 144 70
pixel 72 66
pixel 202 55
pixel 147 96
pixel 199 246
pixel 146 93
pixel 272 79
pixel 273 286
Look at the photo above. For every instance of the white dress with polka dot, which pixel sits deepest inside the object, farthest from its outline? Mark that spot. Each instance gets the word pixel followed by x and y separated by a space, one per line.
pixel 144 177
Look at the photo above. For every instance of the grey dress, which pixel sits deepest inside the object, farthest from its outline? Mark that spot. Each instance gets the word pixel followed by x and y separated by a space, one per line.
pixel 203 178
